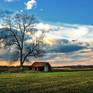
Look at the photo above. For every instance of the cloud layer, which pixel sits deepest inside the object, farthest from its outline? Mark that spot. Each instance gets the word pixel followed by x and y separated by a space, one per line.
pixel 67 31
pixel 54 34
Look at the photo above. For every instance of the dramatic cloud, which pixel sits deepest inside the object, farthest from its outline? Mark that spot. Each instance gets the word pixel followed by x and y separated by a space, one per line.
pixel 30 4
pixel 67 31
pixel 55 34
pixel 82 57
pixel 80 33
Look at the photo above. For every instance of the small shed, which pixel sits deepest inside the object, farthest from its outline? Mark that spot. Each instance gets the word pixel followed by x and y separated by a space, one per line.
pixel 41 66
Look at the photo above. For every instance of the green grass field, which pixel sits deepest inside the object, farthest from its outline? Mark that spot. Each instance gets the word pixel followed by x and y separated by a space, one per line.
pixel 49 82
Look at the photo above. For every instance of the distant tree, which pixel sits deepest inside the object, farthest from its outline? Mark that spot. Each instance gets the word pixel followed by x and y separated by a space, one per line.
pixel 20 28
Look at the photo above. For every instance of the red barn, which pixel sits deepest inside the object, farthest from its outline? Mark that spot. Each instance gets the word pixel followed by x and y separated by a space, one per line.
pixel 41 66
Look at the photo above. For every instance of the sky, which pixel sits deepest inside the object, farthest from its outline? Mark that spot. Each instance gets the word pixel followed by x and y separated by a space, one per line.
pixel 72 18
pixel 62 19
pixel 60 11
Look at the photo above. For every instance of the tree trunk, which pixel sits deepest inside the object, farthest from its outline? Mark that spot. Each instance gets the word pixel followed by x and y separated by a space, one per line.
pixel 21 65
pixel 21 60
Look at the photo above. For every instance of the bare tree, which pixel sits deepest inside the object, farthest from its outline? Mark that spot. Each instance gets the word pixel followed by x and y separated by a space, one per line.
pixel 21 27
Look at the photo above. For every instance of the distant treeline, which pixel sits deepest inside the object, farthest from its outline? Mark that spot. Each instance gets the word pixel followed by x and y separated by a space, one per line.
pixel 74 66
pixel 54 69
pixel 13 68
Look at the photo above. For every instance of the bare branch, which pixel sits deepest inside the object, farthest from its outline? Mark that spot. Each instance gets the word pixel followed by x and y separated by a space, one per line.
pixel 19 26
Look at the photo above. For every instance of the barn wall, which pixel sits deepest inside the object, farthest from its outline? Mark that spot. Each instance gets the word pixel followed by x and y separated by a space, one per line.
pixel 46 68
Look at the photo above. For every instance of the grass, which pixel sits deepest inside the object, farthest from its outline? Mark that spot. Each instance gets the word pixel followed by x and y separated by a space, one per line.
pixel 48 82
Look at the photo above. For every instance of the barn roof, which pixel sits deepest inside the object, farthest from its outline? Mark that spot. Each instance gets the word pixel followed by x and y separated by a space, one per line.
pixel 40 64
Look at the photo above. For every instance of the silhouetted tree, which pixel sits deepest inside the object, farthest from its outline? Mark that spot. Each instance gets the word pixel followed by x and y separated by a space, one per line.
pixel 20 28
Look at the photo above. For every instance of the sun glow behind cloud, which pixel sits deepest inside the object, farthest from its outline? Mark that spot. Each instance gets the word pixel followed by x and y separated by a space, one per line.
pixel 49 40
